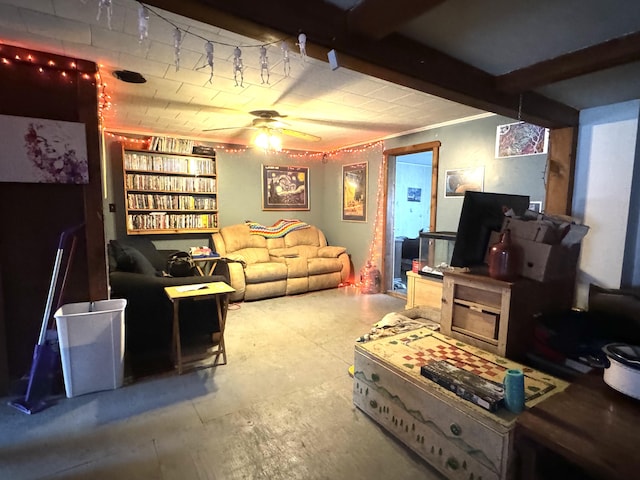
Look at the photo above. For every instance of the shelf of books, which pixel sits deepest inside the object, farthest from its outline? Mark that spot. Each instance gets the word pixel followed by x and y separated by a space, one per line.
pixel 169 192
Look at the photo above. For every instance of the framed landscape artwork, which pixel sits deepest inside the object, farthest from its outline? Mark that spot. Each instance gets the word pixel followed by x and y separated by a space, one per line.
pixel 463 179
pixel 354 192
pixel 285 187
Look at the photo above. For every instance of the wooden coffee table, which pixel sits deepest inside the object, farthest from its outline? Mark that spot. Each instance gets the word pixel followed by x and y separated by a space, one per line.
pixel 176 294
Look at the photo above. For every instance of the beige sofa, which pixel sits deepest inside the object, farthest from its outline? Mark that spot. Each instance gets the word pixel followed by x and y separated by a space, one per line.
pixel 300 261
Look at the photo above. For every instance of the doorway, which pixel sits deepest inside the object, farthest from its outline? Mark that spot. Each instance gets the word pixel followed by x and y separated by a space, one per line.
pixel 411 193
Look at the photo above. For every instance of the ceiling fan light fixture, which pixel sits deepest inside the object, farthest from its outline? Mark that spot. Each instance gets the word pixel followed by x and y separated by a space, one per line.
pixel 268 140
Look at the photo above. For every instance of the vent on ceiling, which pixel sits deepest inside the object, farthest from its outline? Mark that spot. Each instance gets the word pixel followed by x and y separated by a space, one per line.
pixel 129 77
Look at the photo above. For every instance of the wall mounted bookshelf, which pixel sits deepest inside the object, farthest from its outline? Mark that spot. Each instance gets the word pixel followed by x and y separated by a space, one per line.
pixel 169 192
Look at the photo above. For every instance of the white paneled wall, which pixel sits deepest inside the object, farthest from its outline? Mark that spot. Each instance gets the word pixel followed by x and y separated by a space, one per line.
pixel 606 152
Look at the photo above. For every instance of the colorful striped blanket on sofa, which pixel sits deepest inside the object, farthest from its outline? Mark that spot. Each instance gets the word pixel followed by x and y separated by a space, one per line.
pixel 278 229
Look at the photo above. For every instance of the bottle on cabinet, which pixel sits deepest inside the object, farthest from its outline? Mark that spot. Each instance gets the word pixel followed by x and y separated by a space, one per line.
pixel 505 259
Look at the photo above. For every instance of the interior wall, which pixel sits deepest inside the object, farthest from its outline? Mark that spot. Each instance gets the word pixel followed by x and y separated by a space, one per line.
pixel 362 239
pixel 240 196
pixel 606 156
pixel 466 144
pixel 472 144
pixel 35 214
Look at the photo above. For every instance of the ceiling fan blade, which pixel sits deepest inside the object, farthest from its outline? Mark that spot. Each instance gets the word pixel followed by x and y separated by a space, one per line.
pixel 295 133
pixel 244 127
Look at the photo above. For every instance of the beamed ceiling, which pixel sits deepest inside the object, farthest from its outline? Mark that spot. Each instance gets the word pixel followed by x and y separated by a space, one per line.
pixel 404 65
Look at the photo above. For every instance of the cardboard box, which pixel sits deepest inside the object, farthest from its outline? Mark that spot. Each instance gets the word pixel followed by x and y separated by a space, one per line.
pixel 533 230
pixel 543 262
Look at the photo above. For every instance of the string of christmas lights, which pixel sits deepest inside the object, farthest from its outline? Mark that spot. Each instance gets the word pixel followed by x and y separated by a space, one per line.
pixel 53 67
pixel 375 248
pixel 104 99
pixel 45 63
pixel 294 154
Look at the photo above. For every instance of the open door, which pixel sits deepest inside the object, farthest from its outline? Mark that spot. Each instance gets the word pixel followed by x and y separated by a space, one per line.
pixel 411 194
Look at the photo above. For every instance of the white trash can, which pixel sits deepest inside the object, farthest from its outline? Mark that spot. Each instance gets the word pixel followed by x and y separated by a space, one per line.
pixel 91 338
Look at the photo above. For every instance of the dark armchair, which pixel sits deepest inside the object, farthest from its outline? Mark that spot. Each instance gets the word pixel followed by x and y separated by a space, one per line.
pixel 136 273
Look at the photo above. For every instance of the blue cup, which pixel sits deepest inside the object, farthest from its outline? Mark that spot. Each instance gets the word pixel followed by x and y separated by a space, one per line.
pixel 514 390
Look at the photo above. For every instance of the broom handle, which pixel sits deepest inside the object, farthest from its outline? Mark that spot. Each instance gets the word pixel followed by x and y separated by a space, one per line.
pixel 54 281
pixel 52 288
pixel 66 271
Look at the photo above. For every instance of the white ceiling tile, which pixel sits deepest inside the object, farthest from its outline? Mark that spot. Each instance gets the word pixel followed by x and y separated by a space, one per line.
pixel 56 27
pixel 88 52
pixel 163 53
pixel 87 12
pixel 105 38
pixel 345 98
pixel 10 18
pixel 196 93
pixel 45 6
pixel 32 41
pixel 146 67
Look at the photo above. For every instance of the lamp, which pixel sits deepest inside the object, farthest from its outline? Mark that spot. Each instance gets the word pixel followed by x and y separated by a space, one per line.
pixel 268 140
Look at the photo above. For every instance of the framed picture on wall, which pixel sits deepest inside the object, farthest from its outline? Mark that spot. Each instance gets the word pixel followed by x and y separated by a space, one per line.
pixel 39 150
pixel 413 194
pixel 354 192
pixel 285 187
pixel 463 179
pixel 520 138
pixel 535 207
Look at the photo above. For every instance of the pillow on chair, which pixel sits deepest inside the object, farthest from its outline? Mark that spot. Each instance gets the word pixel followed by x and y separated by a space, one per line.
pixel 129 259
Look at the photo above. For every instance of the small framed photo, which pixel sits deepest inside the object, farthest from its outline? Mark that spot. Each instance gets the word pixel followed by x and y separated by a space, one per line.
pixel 285 188
pixel 464 179
pixel 414 194
pixel 535 207
pixel 354 192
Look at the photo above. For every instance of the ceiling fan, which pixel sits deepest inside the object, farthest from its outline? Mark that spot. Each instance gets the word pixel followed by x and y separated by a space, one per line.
pixel 270 120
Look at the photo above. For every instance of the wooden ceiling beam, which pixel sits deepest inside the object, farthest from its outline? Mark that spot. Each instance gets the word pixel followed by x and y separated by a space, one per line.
pixel 395 58
pixel 611 53
pixel 374 19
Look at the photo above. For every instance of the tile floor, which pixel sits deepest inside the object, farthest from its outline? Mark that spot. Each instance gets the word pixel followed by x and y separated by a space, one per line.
pixel 280 409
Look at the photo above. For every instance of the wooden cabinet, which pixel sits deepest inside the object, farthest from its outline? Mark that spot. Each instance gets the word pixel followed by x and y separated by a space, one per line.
pixel 423 291
pixel 169 192
pixel 499 316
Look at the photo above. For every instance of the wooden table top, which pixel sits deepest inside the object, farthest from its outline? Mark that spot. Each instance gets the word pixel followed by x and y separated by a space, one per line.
pixel 591 425
pixel 198 290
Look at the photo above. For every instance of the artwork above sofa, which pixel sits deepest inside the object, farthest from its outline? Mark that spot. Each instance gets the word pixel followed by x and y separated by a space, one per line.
pixel 287 258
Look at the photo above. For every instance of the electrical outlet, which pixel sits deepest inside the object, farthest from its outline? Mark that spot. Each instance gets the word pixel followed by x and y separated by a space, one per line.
pixel 112 207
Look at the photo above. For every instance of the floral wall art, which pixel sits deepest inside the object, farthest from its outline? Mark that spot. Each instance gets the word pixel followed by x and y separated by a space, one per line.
pixel 36 150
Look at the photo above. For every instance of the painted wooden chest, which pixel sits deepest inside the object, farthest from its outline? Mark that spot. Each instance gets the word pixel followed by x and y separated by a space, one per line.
pixel 460 439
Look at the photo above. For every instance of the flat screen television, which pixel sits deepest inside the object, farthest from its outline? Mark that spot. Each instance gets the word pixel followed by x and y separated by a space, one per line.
pixel 482 213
